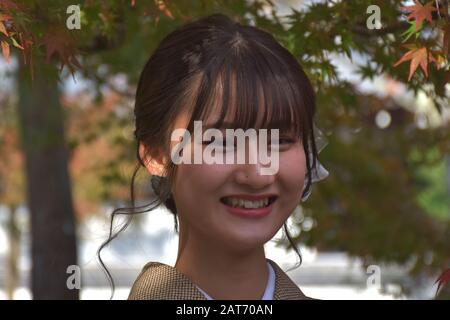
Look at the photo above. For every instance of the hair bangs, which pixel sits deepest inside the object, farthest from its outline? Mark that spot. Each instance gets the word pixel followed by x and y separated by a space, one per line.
pixel 251 88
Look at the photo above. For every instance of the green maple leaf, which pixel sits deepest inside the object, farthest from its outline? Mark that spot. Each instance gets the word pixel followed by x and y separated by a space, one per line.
pixel 412 30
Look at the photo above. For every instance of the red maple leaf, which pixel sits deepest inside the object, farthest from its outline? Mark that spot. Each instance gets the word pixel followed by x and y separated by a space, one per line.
pixel 443 280
pixel 420 12
pixel 59 42
pixel 419 57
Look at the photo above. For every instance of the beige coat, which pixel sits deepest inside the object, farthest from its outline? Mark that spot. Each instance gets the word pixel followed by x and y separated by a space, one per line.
pixel 159 281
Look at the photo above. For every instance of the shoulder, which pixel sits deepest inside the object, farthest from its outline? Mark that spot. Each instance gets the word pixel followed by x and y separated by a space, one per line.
pixel 285 288
pixel 159 281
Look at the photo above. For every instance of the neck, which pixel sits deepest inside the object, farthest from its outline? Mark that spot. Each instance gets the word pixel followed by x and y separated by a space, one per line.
pixel 223 273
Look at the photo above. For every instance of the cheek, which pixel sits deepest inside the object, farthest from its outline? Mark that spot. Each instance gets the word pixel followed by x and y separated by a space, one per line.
pixel 197 191
pixel 199 182
pixel 293 170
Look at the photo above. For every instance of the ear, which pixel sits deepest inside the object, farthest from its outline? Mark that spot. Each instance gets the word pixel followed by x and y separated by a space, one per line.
pixel 153 160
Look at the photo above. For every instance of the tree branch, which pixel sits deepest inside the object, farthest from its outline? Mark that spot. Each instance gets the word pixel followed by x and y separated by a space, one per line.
pixel 363 31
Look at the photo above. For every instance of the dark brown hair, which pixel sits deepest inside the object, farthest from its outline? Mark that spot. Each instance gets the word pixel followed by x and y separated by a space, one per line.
pixel 216 60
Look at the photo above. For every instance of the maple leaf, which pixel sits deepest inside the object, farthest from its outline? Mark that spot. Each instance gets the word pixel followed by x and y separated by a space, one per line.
pixel 58 41
pixel 16 44
pixel 412 30
pixel 5 50
pixel 419 57
pixel 5 20
pixel 15 30
pixel 3 29
pixel 443 279
pixel 420 12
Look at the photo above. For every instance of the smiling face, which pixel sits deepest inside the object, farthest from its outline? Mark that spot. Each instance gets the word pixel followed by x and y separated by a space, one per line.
pixel 252 88
pixel 199 191
pixel 225 75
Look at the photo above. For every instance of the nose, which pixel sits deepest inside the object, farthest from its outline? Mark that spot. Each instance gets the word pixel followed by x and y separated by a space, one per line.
pixel 250 175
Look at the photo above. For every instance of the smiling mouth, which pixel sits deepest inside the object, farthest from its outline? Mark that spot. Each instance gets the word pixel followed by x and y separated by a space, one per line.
pixel 247 204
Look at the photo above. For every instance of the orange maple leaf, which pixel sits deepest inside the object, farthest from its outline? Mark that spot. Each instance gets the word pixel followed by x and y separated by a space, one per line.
pixel 419 57
pixel 3 29
pixel 443 279
pixel 5 50
pixel 420 12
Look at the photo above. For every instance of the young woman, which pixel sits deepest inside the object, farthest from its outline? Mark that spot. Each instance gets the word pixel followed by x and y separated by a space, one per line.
pixel 228 76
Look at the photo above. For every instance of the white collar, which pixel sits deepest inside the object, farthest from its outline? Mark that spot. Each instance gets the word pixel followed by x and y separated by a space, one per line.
pixel 270 287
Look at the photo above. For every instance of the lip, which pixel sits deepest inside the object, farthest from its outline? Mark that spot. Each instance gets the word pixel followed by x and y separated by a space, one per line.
pixel 251 197
pixel 251 213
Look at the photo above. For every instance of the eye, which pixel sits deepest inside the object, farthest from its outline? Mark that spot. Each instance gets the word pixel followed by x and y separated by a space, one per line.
pixel 217 143
pixel 286 141
pixel 282 143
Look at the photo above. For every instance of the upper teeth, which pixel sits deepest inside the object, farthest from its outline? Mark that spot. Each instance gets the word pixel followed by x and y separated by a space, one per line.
pixel 236 202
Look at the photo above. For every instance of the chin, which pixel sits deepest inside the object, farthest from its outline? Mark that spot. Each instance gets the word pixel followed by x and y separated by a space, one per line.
pixel 245 242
